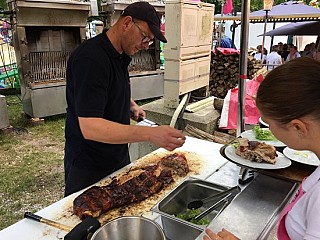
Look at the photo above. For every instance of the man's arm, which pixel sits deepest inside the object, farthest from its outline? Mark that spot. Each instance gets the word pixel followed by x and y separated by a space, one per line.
pixel 101 130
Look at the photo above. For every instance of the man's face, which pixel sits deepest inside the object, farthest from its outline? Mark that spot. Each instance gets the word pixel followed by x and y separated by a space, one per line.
pixel 138 37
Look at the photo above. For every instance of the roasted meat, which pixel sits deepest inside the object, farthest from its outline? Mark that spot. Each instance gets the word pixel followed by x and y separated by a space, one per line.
pixel 176 162
pixel 256 151
pixel 134 186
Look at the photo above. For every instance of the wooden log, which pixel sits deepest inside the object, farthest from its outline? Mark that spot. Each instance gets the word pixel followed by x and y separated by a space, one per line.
pixel 218 103
pixel 218 138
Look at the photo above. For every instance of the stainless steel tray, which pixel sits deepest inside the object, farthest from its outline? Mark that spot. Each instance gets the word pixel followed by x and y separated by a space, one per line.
pixel 176 202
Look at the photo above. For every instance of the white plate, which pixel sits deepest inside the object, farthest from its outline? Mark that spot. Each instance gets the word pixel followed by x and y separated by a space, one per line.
pixel 282 161
pixel 303 156
pixel 263 123
pixel 252 137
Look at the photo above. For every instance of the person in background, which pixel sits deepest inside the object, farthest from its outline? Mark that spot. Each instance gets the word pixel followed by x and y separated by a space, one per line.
pixel 316 55
pixel 290 45
pixel 273 59
pixel 265 51
pixel 294 119
pixel 312 47
pixel 293 53
pixel 307 51
pixel 259 53
pixel 99 104
pixel 226 42
pixel 285 52
pixel 316 50
pixel 280 47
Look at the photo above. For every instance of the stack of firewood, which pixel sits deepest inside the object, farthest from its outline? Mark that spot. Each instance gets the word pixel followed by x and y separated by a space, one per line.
pixel 224 72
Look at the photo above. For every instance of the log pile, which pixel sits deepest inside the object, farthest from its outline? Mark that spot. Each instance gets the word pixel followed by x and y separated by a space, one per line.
pixel 224 72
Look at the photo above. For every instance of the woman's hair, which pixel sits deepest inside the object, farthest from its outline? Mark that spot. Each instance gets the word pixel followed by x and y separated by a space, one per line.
pixel 291 91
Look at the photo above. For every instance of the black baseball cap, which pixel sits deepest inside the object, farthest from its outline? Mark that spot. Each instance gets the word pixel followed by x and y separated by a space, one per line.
pixel 145 12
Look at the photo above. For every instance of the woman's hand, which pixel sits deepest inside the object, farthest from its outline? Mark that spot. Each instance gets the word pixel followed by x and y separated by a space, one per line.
pixel 223 234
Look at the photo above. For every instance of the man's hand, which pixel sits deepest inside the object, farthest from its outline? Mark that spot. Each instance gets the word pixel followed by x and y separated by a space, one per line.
pixel 167 137
pixel 136 111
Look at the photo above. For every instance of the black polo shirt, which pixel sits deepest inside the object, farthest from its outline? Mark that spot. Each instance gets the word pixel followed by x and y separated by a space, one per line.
pixel 97 86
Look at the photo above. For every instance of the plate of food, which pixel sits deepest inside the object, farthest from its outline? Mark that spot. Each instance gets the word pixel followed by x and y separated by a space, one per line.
pixel 262 135
pixel 302 156
pixel 263 123
pixel 254 154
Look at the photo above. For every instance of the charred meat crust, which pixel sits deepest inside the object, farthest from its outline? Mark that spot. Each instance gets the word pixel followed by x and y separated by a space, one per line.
pixel 121 192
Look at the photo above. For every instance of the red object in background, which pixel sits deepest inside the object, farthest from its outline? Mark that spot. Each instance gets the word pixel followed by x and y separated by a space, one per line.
pixel 230 106
pixel 226 51
pixel 163 28
pixel 228 7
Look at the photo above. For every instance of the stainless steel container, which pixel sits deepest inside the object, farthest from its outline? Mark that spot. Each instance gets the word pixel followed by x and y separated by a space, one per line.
pixel 176 202
pixel 130 227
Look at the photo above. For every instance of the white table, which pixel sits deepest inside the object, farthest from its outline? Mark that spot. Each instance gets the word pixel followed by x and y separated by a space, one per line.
pixel 29 230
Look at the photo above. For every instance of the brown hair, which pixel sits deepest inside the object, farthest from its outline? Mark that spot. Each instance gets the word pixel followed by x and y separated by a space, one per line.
pixel 291 91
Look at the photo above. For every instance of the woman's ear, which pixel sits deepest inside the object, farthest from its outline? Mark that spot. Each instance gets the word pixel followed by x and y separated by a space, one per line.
pixel 299 126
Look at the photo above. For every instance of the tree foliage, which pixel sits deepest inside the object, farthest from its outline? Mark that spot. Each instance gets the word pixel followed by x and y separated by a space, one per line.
pixel 3 4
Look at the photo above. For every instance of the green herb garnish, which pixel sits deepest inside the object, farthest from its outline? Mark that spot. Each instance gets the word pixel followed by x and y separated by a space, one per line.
pixel 263 134
pixel 191 214
pixel 235 144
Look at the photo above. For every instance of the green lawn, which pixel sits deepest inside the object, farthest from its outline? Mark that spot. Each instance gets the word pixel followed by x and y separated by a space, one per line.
pixel 31 160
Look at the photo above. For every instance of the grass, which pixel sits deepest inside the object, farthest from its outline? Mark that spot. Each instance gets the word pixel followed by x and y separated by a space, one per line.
pixel 31 159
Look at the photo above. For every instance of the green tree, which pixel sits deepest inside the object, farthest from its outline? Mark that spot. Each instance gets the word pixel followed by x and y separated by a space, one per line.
pixel 3 4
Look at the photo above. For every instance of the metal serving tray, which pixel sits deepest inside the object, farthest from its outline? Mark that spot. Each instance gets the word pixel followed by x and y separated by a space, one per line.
pixel 176 202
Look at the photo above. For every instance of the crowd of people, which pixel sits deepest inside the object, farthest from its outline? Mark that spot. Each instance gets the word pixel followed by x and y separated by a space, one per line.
pixel 282 53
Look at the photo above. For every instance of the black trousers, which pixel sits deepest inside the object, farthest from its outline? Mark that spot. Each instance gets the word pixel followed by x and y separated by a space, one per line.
pixel 79 178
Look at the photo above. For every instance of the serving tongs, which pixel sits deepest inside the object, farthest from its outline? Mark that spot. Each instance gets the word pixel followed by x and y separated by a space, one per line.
pixel 199 203
pixel 245 175
pixel 225 201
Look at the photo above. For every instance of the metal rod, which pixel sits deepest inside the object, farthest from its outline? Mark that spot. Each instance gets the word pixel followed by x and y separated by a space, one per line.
pixel 243 61
pixel 264 33
pixel 272 37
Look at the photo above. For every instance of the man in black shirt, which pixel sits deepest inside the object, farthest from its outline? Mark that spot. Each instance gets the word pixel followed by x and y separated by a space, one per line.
pixel 99 100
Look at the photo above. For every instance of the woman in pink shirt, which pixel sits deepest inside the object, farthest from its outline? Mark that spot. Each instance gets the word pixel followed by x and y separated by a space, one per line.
pixel 290 104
